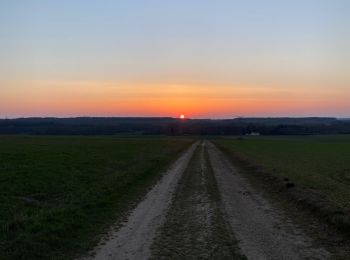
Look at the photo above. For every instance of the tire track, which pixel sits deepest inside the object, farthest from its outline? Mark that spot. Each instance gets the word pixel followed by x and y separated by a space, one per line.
pixel 134 238
pixel 195 227
pixel 264 231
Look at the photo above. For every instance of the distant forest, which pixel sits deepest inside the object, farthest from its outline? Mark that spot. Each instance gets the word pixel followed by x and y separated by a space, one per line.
pixel 173 126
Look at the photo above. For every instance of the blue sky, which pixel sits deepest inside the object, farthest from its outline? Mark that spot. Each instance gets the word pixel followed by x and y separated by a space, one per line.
pixel 292 48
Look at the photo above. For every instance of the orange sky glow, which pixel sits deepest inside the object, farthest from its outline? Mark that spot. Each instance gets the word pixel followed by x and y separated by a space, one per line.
pixel 204 59
pixel 81 98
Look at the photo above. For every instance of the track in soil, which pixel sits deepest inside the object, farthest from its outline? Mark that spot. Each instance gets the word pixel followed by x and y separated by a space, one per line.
pixel 264 231
pixel 195 226
pixel 134 239
pixel 204 209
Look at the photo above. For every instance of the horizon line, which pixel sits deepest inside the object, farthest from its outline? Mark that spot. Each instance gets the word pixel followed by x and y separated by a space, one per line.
pixel 170 117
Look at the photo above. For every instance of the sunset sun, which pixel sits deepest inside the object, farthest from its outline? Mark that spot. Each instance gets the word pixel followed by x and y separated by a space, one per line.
pixel 182 116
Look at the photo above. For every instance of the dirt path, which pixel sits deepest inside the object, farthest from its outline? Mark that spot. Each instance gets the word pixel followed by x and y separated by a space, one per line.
pixel 134 238
pixel 195 227
pixel 203 208
pixel 263 230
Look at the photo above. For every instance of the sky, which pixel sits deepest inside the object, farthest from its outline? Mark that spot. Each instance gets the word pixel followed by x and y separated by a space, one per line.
pixel 201 58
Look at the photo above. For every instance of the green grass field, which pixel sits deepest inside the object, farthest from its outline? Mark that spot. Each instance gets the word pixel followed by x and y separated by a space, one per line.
pixel 58 193
pixel 321 163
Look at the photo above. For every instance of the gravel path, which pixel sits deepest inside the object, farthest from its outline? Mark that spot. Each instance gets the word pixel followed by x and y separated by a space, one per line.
pixel 134 238
pixel 203 208
pixel 263 230
pixel 195 227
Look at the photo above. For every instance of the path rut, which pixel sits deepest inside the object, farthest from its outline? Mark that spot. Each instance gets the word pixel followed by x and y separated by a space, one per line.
pixel 134 238
pixel 195 227
pixel 263 231
pixel 203 208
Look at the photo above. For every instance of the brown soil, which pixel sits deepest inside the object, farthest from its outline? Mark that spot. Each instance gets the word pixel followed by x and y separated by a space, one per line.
pixel 134 238
pixel 264 230
pixel 321 218
pixel 195 227
pixel 206 208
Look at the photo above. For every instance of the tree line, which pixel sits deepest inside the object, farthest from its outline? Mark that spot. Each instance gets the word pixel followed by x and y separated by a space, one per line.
pixel 174 126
